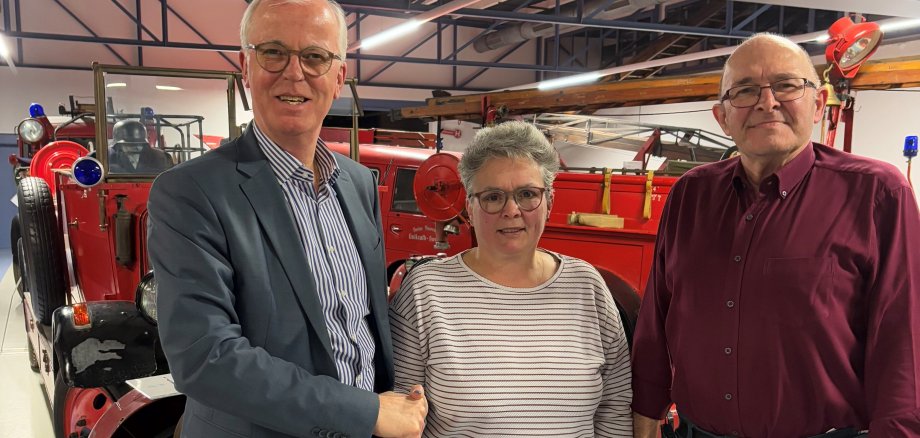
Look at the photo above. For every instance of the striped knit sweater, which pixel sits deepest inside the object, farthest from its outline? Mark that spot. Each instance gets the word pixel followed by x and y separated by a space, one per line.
pixel 517 362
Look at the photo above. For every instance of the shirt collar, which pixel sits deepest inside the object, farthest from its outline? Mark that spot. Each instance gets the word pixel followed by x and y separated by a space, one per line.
pixel 786 178
pixel 286 166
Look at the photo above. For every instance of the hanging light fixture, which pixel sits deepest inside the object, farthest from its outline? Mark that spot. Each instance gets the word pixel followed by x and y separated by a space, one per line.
pixel 850 44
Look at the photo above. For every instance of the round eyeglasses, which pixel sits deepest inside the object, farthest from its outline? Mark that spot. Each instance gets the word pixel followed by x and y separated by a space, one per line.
pixel 493 201
pixel 784 90
pixel 274 58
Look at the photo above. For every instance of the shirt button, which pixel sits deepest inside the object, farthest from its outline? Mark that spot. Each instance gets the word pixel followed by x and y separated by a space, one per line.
pixel 784 193
pixel 352 337
pixel 358 378
pixel 730 304
pixel 331 248
pixel 728 396
pixel 342 293
pixel 728 350
pixel 749 217
pixel 737 258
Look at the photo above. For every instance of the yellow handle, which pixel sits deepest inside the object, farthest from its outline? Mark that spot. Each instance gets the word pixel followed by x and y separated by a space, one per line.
pixel 605 202
pixel 647 210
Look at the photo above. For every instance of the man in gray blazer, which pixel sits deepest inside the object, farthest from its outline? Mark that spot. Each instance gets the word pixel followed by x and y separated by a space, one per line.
pixel 269 257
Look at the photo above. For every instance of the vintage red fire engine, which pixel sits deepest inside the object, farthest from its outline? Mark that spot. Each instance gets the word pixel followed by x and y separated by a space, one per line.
pixel 80 238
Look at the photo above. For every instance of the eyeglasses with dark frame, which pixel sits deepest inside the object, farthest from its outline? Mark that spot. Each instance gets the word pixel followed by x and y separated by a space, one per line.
pixel 493 201
pixel 274 58
pixel 784 90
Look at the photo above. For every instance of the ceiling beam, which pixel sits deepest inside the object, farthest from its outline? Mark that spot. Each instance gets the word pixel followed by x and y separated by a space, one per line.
pixel 898 73
pixel 893 8
pixel 493 14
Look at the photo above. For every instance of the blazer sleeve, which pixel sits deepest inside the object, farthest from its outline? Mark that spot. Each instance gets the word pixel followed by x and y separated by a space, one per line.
pixel 210 359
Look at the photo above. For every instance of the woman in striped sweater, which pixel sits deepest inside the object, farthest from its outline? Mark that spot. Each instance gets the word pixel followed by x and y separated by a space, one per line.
pixel 507 338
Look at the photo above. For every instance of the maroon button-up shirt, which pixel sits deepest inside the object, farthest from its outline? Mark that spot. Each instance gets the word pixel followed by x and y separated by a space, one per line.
pixel 787 310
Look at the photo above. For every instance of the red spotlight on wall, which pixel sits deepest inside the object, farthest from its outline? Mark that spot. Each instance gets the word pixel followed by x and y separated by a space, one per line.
pixel 850 45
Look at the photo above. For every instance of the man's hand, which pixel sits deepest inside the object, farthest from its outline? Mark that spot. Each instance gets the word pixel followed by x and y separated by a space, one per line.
pixel 401 415
pixel 645 427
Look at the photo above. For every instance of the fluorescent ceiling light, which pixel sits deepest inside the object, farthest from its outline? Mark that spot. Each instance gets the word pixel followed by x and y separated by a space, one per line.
pixel 168 88
pixel 568 81
pixel 116 85
pixel 893 26
pixel 390 34
pixel 820 37
pixel 5 54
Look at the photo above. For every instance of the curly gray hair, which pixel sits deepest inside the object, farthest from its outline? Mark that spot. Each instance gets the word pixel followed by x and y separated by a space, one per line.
pixel 336 8
pixel 509 140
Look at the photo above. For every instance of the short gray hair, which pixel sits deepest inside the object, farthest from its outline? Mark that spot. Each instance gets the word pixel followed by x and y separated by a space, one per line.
pixel 512 139
pixel 812 74
pixel 336 8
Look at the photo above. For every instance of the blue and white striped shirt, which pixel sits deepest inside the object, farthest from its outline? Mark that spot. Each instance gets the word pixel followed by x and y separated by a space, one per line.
pixel 332 256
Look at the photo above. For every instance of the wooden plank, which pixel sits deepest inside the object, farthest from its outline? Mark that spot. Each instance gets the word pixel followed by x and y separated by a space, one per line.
pixel 897 73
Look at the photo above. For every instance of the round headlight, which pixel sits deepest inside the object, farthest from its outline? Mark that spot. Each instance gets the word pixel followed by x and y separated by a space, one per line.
pixel 30 130
pixel 147 297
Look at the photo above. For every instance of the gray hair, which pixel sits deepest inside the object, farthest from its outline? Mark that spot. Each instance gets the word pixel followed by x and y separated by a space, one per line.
pixel 780 40
pixel 509 140
pixel 336 9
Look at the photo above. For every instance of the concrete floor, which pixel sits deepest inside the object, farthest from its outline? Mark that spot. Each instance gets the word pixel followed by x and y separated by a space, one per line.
pixel 24 409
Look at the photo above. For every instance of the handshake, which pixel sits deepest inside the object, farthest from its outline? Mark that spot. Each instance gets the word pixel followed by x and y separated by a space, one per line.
pixel 402 415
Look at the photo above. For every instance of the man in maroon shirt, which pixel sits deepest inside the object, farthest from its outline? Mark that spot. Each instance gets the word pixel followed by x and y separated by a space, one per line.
pixel 784 298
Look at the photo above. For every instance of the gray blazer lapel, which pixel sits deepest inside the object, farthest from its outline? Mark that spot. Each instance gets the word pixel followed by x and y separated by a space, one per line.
pixel 271 207
pixel 364 232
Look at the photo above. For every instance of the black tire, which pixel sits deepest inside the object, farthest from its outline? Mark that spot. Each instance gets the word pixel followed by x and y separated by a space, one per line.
pixel 43 246
pixel 23 269
pixel 627 301
pixel 629 324
pixel 14 248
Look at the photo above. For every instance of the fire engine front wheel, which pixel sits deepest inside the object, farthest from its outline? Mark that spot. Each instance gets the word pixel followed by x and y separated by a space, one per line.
pixel 626 299
pixel 76 410
pixel 43 245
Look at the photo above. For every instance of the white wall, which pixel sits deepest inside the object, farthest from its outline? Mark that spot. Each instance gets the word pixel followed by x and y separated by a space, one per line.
pixel 47 87
pixel 51 88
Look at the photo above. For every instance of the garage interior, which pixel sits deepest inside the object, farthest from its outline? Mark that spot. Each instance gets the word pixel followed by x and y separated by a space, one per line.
pixel 482 49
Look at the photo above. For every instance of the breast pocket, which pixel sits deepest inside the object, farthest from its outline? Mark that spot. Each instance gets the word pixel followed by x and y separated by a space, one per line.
pixel 798 287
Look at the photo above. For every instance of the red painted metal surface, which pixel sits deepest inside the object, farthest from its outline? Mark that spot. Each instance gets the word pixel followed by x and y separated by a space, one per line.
pixel 438 189
pixel 58 155
pixel 621 255
pixel 342 135
pixel 109 422
pixel 406 233
pixel 82 410
pixel 92 238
